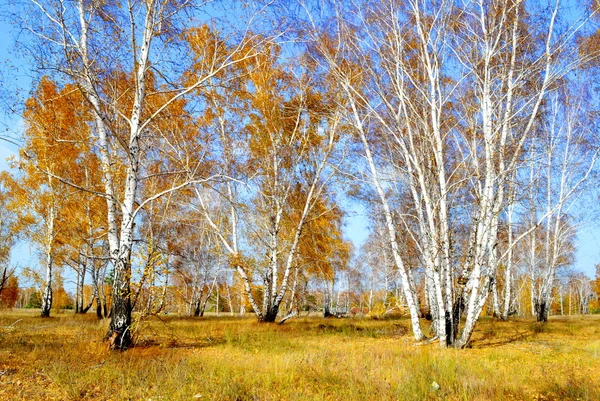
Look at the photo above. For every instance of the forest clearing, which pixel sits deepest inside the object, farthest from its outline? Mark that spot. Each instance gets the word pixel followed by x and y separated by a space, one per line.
pixel 226 358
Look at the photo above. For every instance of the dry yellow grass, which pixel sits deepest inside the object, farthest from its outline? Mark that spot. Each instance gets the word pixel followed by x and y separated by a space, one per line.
pixel 222 358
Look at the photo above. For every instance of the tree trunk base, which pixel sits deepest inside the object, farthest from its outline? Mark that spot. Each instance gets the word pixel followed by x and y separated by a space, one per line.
pixel 270 316
pixel 118 341
pixel 268 319
pixel 542 312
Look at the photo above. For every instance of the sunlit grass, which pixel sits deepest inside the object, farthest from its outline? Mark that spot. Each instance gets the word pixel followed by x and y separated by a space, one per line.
pixel 223 358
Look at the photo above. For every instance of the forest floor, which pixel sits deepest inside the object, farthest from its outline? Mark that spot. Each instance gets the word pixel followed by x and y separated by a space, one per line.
pixel 225 358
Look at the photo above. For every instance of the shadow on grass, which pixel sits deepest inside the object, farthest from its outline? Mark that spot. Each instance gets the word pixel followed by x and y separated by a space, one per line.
pixel 491 341
pixel 394 330
pixel 177 343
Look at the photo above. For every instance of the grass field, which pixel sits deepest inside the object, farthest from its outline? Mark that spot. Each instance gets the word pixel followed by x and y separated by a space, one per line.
pixel 222 358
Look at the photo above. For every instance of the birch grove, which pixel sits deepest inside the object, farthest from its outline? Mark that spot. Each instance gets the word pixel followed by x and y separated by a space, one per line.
pixel 566 161
pixel 456 93
pixel 210 159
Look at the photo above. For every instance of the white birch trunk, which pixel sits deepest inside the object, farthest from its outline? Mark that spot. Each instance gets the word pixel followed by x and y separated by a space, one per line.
pixel 409 293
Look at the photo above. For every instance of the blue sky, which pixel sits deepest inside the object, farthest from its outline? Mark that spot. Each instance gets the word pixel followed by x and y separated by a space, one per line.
pixel 13 74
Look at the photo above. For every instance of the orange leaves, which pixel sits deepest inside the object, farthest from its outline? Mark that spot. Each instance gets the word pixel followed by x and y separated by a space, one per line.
pixel 57 134
pixel 9 294
pixel 322 249
pixel 589 48
pixel 597 281
pixel 285 114
pixel 238 260
pixel 56 120
pixel 57 147
pixel 208 51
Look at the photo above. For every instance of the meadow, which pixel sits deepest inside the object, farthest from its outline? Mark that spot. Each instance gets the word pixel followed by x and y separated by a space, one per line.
pixel 230 358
